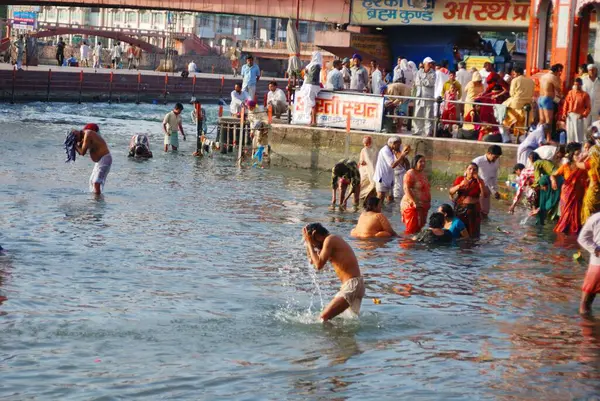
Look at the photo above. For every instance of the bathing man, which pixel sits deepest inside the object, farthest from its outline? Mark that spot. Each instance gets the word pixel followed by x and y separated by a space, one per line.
pixel 90 139
pixel 335 249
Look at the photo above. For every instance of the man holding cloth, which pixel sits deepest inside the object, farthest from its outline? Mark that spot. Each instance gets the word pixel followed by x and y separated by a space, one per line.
pixel 488 171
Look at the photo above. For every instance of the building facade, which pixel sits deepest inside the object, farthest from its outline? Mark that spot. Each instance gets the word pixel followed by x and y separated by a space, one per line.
pixel 214 29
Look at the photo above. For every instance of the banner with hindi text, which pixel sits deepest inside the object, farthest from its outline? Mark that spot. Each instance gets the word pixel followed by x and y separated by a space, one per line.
pixel 479 13
pixel 366 111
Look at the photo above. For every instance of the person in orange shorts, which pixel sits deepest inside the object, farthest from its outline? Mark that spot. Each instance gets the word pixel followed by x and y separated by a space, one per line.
pixel 372 223
pixel 589 239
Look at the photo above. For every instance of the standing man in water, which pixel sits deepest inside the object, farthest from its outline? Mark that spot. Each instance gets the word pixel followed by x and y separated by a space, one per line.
pixel 171 124
pixel 488 171
pixel 322 247
pixel 90 139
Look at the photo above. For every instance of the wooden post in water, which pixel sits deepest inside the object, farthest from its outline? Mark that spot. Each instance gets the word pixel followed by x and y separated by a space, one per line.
pixel 110 81
pixel 198 108
pixel 270 113
pixel 80 85
pixel 166 83
pixel 48 85
pixel 14 78
pixel 240 138
pixel 194 86
pixel 137 101
pixel 347 142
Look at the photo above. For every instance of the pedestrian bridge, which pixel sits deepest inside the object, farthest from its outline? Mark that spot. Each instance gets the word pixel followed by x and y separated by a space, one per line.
pixel 335 11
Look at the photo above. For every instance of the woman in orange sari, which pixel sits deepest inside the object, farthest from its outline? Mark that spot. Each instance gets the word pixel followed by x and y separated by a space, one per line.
pixel 571 193
pixel 417 197
pixel 467 206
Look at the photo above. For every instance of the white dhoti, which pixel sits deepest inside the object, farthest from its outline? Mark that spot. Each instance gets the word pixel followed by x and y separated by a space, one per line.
pixel 100 172
pixel 399 183
pixel 309 93
pixel 575 128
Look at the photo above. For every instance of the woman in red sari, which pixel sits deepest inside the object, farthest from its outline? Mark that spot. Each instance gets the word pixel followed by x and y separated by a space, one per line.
pixel 417 197
pixel 572 191
pixel 468 189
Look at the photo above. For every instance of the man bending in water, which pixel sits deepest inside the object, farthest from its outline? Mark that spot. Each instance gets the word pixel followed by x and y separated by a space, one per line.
pixel 90 139
pixel 335 249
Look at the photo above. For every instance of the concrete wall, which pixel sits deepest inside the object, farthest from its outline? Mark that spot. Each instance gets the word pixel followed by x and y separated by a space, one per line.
pixel 306 147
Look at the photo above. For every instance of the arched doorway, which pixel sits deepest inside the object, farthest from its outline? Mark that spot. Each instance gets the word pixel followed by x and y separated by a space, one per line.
pixel 545 34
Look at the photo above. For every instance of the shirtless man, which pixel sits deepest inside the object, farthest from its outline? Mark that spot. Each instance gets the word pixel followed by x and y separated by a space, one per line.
pixel 335 249
pixel 90 139
pixel 550 93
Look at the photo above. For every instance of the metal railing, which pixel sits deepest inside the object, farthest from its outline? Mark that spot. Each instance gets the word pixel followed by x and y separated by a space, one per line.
pixel 437 119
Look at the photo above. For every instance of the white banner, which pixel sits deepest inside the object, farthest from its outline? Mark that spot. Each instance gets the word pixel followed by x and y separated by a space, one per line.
pixel 366 112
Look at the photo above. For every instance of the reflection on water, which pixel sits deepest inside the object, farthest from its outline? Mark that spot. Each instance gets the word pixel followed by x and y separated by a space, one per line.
pixel 188 280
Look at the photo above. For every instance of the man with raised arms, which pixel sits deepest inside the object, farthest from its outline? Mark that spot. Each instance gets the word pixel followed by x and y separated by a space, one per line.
pixel 321 247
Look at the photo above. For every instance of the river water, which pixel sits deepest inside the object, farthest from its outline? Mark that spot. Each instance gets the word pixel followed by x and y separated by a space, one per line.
pixel 188 280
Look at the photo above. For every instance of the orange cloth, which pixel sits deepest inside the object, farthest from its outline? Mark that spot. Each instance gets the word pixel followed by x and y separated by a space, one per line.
pixel 591 283
pixel 577 102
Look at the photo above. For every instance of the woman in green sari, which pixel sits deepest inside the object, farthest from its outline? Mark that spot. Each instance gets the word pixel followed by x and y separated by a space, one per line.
pixel 548 198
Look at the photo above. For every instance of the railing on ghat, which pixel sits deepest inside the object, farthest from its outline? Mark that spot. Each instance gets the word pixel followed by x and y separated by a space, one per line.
pixel 408 103
pixel 228 133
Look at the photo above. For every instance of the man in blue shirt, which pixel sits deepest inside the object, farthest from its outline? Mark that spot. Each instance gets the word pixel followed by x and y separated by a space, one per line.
pixel 251 75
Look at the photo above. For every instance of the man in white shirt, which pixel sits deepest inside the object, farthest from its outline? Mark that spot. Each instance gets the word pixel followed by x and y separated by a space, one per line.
pixel 591 85
pixel 277 100
pixel 425 80
pixel 463 77
pixel 172 126
pixel 84 53
pixel 442 76
pixel 387 159
pixel 376 78
pixel 488 171
pixel 346 73
pixel 115 55
pixel 589 239
pixel 192 67
pixel 238 98
pixel 534 139
pixel 97 55
pixel 335 79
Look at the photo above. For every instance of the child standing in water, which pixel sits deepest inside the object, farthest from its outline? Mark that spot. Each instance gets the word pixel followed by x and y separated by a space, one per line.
pixel 322 247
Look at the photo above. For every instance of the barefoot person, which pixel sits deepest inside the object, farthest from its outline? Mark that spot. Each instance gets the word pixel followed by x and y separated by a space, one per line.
pixel 589 239
pixel 171 124
pixel 322 247
pixel 372 223
pixel 90 139
pixel 550 93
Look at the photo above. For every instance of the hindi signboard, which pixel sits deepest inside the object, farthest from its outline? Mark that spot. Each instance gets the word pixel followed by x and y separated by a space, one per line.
pixel 366 112
pixel 24 20
pixel 482 13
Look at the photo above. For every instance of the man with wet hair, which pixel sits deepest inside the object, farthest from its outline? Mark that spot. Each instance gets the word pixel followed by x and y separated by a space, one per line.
pixel 321 247
pixel 90 139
